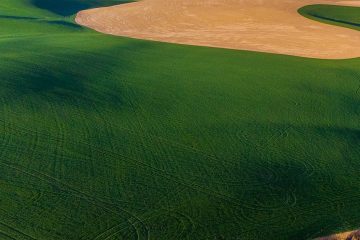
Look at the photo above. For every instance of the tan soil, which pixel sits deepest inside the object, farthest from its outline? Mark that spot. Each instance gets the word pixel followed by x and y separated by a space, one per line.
pixel 349 3
pixel 352 235
pixel 259 25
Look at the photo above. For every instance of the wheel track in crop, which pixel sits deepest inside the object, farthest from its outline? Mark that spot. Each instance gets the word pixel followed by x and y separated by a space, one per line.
pixel 15 231
pixel 158 171
pixel 197 151
pixel 180 181
pixel 111 153
pixel 92 200
pixel 161 141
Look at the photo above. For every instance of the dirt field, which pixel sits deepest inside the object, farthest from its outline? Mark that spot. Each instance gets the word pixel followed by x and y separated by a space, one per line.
pixel 352 235
pixel 349 3
pixel 266 26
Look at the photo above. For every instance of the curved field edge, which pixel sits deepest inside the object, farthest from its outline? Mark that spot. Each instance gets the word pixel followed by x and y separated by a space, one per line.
pixel 294 39
pixel 343 16
pixel 112 138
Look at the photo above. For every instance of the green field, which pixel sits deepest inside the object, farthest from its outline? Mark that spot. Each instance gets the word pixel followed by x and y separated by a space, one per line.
pixel 107 137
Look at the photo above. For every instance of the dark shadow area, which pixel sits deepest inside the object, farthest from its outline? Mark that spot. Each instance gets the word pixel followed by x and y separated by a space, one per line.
pixel 70 7
pixel 17 17
pixel 64 23
pixel 58 79
pixel 51 22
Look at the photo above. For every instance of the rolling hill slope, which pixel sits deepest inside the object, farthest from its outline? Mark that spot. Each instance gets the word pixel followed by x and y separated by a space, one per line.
pixel 113 138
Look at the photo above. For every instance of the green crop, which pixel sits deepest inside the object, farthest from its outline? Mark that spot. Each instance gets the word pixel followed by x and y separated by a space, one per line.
pixel 105 137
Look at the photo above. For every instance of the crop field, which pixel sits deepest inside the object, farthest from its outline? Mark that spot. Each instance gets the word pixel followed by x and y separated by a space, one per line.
pixel 105 137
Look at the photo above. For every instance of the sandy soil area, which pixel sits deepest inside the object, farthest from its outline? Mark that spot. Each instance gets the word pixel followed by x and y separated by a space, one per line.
pixel 349 3
pixel 259 25
pixel 352 235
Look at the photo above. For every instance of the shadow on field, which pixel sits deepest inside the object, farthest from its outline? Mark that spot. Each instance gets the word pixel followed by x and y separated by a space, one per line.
pixel 51 22
pixel 17 17
pixel 64 7
pixel 62 76
pixel 64 23
pixel 70 7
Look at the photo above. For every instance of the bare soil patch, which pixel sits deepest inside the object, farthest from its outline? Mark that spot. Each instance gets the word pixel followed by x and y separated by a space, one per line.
pixel 351 235
pixel 272 26
pixel 349 3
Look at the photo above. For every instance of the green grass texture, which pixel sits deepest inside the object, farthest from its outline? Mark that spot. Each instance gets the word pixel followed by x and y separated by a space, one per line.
pixel 105 137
